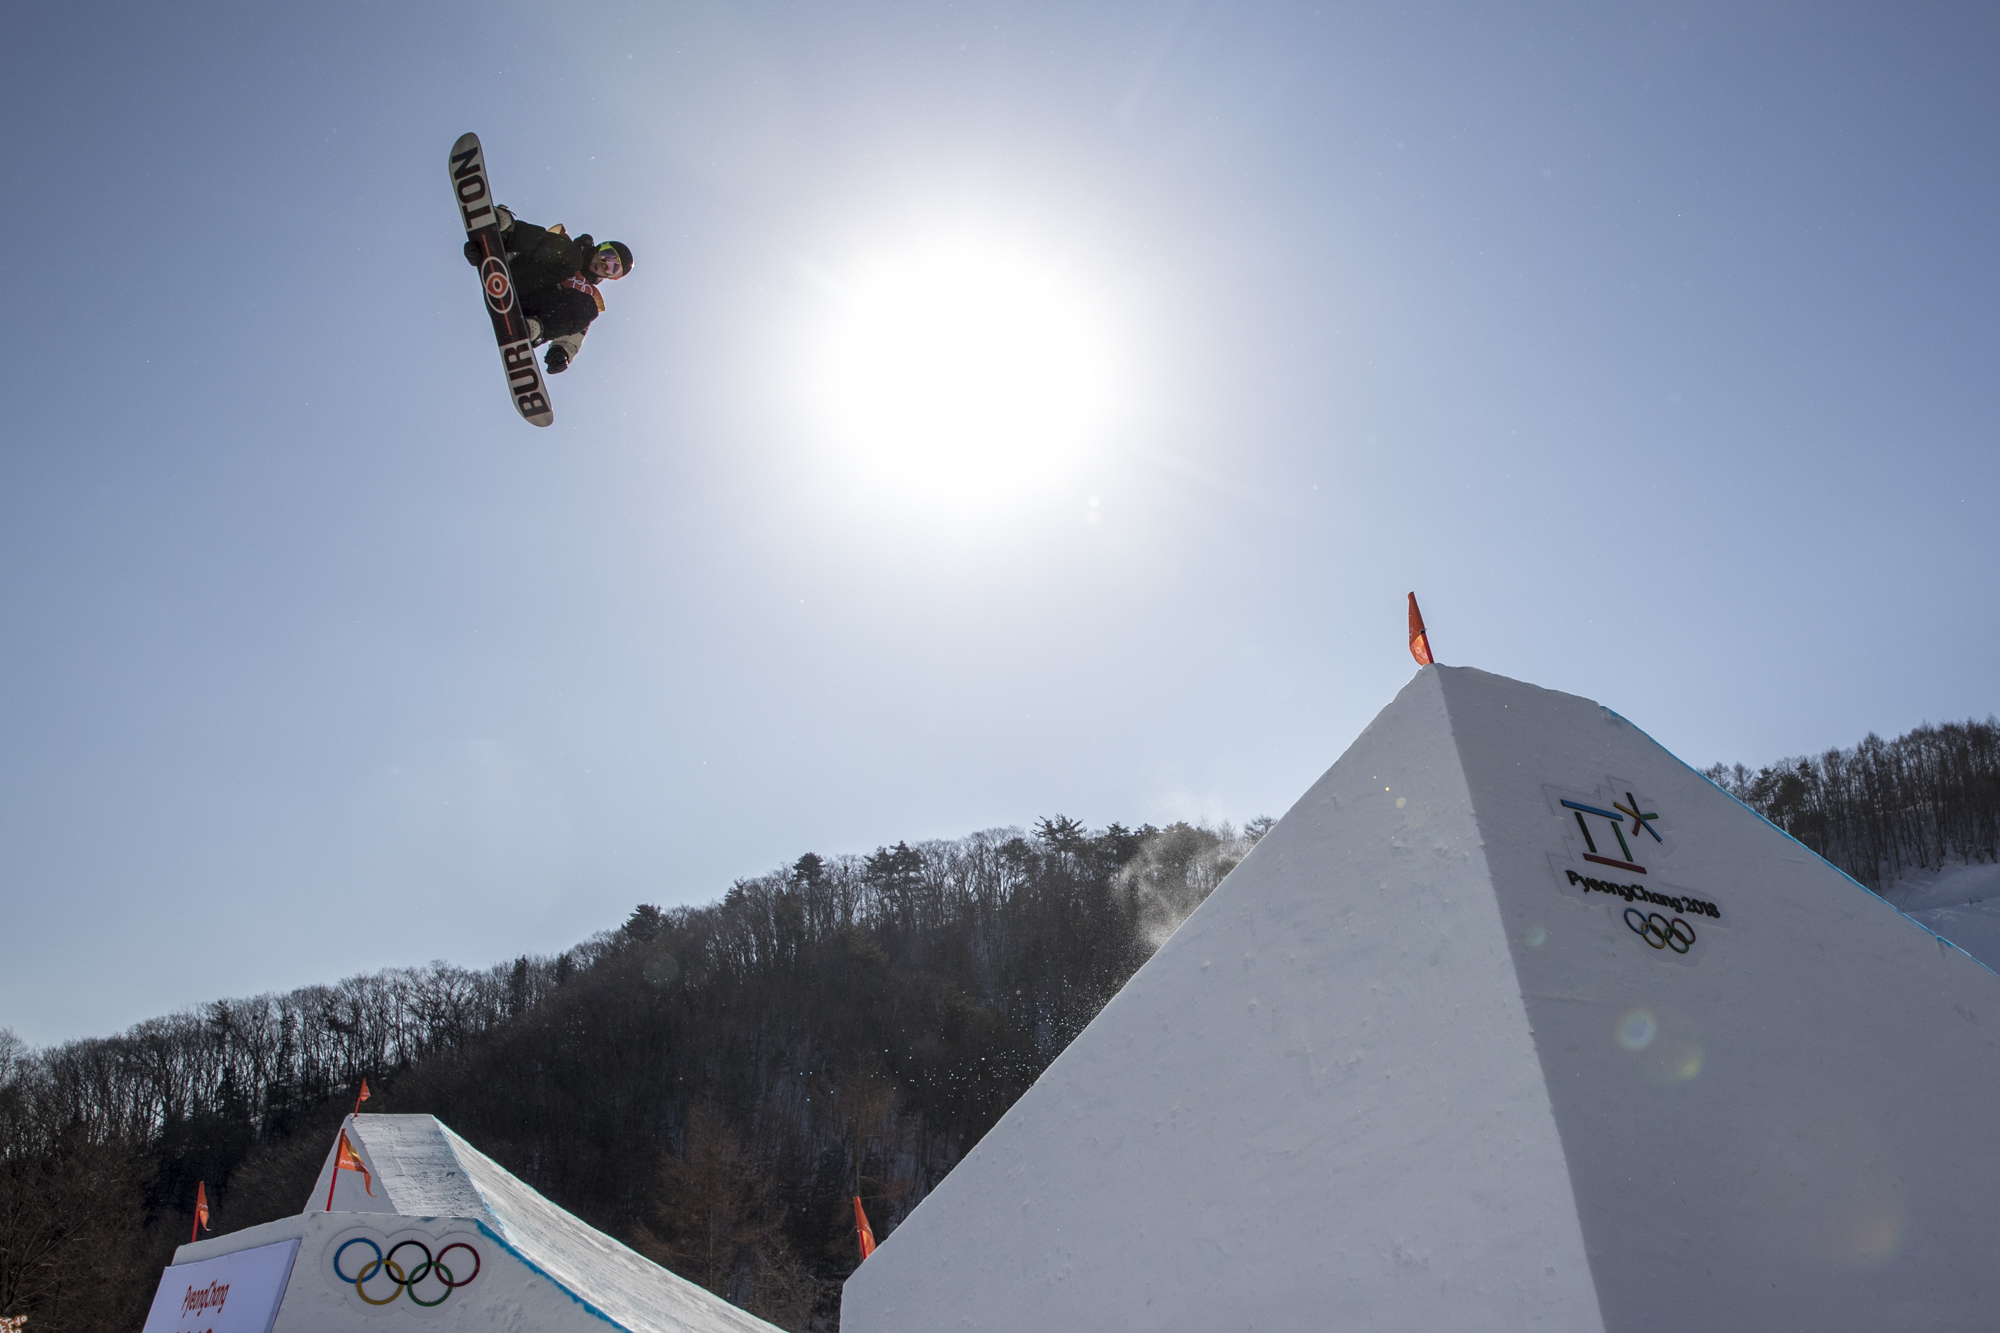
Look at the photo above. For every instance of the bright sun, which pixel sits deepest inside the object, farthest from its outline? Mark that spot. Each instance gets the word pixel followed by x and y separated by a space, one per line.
pixel 965 367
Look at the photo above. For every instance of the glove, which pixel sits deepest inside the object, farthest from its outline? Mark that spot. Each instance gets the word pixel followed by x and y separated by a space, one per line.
pixel 557 359
pixel 473 253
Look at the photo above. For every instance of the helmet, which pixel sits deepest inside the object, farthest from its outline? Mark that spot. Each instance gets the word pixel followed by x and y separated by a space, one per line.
pixel 624 253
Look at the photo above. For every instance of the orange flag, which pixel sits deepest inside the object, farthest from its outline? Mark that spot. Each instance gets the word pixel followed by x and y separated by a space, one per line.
pixel 362 1098
pixel 346 1159
pixel 350 1160
pixel 1420 642
pixel 861 1227
pixel 200 1211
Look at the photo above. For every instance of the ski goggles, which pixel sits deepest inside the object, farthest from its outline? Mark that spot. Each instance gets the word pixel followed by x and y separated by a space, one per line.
pixel 610 252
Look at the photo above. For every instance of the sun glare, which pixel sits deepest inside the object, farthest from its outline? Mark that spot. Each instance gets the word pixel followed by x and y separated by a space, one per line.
pixel 963 368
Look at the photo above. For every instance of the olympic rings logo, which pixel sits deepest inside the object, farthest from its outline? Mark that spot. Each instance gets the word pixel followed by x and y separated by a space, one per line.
pixel 431 1273
pixel 1660 932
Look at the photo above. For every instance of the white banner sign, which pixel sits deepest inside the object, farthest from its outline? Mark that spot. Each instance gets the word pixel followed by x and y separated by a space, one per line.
pixel 232 1293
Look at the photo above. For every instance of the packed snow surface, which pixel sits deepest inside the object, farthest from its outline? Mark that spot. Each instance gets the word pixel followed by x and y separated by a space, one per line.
pixel 1514 1021
pixel 422 1169
pixel 1961 903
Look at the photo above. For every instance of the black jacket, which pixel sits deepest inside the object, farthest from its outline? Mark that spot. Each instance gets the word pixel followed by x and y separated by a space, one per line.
pixel 539 258
pixel 541 261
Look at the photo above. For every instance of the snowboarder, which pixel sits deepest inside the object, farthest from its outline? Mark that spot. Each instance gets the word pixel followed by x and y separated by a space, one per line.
pixel 556 278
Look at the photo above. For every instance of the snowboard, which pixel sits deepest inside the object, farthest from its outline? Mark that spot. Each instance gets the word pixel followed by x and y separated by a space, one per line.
pixel 474 194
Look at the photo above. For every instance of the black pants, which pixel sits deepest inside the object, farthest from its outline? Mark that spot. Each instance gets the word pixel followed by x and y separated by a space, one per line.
pixel 561 310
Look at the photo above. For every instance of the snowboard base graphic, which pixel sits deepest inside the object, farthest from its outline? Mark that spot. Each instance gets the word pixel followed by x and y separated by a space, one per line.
pixel 474 196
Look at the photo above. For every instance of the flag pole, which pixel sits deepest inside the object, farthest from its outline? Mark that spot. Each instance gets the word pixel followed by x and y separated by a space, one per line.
pixel 359 1097
pixel 345 1158
pixel 335 1178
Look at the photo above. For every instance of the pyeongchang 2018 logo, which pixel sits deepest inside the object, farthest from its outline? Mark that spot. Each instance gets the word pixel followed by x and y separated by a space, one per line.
pixel 1616 846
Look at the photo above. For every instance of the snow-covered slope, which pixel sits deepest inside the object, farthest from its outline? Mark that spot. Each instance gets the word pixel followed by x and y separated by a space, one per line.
pixel 420 1168
pixel 1316 1106
pixel 519 1264
pixel 1513 1022
pixel 1961 903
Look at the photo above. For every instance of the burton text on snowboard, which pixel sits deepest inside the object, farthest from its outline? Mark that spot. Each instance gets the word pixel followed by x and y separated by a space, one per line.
pixel 474 194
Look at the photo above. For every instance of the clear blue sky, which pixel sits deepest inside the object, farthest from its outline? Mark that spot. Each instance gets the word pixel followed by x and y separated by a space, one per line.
pixel 1655 347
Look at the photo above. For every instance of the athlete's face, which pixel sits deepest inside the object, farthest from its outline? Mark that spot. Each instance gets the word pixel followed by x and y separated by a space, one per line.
pixel 606 264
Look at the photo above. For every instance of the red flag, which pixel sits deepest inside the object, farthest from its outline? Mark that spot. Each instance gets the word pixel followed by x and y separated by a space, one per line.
pixel 346 1159
pixel 1420 642
pixel 200 1211
pixel 861 1227
pixel 350 1160
pixel 362 1097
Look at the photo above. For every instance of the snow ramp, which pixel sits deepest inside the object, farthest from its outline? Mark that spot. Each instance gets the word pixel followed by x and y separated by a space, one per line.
pixel 1514 1021
pixel 430 1234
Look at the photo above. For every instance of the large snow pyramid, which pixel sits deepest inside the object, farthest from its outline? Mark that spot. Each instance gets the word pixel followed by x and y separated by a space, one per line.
pixel 431 1235
pixel 1513 1022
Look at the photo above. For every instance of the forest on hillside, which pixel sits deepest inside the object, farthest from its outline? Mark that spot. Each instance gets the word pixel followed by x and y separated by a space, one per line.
pixel 711 1084
pixel 1881 809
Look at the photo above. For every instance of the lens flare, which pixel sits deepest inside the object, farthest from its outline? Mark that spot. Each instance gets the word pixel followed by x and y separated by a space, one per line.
pixel 1636 1030
pixel 1879 1237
